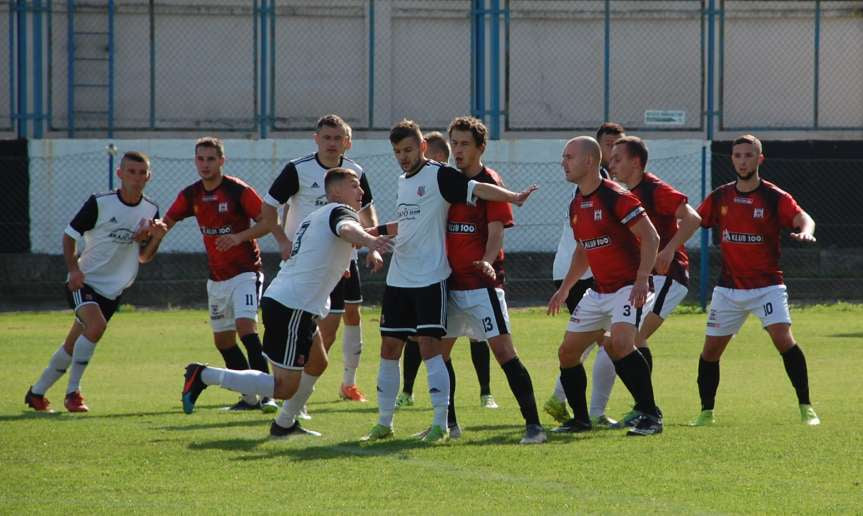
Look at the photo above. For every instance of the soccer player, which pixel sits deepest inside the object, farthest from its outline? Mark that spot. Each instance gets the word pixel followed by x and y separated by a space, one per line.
pixel 223 206
pixel 300 188
pixel 321 250
pixel 675 221
pixel 603 374
pixel 415 298
pixel 439 150
pixel 120 230
pixel 477 305
pixel 619 244
pixel 748 215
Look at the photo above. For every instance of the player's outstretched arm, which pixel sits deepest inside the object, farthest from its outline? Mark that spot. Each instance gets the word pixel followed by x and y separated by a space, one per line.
pixel 390 229
pixel 649 239
pixel 355 234
pixel 688 222
pixel 491 192
pixel 577 267
pixel 76 277
pixel 158 230
pixel 805 228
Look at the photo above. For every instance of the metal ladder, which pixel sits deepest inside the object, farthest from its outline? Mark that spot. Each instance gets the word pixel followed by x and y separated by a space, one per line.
pixel 90 61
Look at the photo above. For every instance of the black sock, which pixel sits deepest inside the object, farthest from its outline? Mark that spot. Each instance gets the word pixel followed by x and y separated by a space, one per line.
pixel 522 388
pixel 412 363
pixel 795 366
pixel 257 360
pixel 480 357
pixel 451 419
pixel 635 375
pixel 648 356
pixel 234 358
pixel 574 381
pixel 708 382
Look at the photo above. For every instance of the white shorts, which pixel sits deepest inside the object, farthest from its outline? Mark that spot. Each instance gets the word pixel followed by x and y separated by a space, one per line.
pixel 729 308
pixel 597 311
pixel 479 314
pixel 232 299
pixel 669 294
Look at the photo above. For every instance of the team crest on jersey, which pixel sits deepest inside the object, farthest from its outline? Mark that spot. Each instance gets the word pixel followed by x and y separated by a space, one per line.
pixel 223 207
pixel 743 200
pixel 723 210
pixel 758 213
pixel 597 214
pixel 587 204
pixel 421 190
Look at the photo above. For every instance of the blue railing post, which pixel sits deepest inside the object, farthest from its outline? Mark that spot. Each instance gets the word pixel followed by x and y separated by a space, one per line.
pixel 111 149
pixel 606 65
pixel 152 16
pixel 12 110
pixel 494 124
pixel 23 111
pixel 262 119
pixel 38 108
pixel 371 63
pixel 110 69
pixel 70 68
pixel 705 240
pixel 478 57
pixel 817 64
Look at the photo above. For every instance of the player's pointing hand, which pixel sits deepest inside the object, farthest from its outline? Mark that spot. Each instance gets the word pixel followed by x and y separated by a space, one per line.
pixel 523 195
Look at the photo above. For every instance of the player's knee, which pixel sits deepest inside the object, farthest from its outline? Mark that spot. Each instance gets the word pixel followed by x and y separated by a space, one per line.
pixel 351 317
pixel 95 330
pixel 568 356
pixel 283 389
pixel 504 351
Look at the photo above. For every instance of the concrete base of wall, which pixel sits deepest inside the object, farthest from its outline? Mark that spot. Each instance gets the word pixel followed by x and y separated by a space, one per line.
pixel 35 281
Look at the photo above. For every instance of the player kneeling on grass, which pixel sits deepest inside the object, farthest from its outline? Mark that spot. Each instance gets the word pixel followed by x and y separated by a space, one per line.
pixel 294 301
pixel 120 230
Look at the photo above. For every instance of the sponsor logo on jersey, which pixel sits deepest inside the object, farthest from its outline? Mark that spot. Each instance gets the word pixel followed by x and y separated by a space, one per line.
pixel 587 204
pixel 743 200
pixel 596 243
pixel 315 184
pixel 209 198
pixel 742 238
pixel 113 220
pixel 407 211
pixel 461 227
pixel 224 230
pixel 223 207
pixel 121 236
pixel 758 213
pixel 421 190
pixel 321 200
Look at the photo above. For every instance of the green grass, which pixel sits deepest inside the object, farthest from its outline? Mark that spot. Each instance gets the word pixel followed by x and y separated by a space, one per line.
pixel 137 452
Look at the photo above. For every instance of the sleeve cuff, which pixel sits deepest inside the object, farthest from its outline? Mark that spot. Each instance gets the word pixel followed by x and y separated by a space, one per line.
pixel 470 198
pixel 272 201
pixel 72 232
pixel 342 224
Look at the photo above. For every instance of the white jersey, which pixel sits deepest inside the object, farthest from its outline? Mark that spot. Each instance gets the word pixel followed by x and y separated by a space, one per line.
pixel 419 255
pixel 109 260
pixel 565 247
pixel 318 260
pixel 301 185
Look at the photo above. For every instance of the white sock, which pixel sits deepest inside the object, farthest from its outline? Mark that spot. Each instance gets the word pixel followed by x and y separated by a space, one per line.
pixel 57 366
pixel 603 381
pixel 438 380
pixel 288 413
pixel 352 347
pixel 558 390
pixel 249 382
pixel 388 388
pixel 81 356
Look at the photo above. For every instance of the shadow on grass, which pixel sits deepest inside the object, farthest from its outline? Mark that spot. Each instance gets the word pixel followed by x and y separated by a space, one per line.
pixel 66 416
pixel 856 335
pixel 228 445
pixel 264 423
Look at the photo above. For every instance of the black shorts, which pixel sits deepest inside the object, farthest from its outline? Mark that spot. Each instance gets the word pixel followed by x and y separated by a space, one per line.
pixel 86 295
pixel 414 311
pixel 576 292
pixel 347 290
pixel 288 334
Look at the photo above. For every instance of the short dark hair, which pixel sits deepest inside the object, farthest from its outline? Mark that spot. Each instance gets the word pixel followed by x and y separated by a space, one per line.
pixel 752 140
pixel 211 142
pixel 405 129
pixel 474 125
pixel 437 141
pixel 609 128
pixel 136 156
pixel 333 120
pixel 634 147
pixel 337 175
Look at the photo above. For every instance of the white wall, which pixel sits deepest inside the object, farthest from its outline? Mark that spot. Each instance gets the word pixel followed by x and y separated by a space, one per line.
pixel 63 173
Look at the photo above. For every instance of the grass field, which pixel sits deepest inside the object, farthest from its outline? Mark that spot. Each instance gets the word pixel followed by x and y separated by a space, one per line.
pixel 137 452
